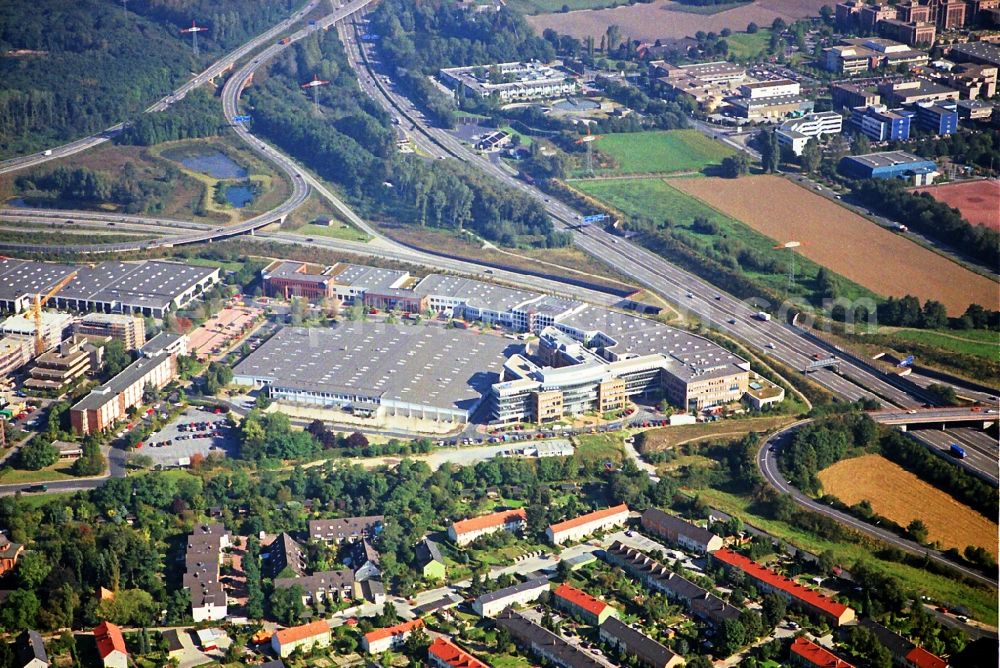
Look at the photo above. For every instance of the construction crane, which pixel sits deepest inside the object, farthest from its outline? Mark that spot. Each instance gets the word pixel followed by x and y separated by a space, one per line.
pixel 314 85
pixel 588 140
pixel 36 310
pixel 194 30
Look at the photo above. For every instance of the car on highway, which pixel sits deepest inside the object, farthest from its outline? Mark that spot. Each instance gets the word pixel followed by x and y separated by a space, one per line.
pixel 37 488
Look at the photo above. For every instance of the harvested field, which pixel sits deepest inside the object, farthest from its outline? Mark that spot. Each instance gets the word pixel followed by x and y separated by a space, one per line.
pixel 979 201
pixel 882 261
pixel 661 19
pixel 901 496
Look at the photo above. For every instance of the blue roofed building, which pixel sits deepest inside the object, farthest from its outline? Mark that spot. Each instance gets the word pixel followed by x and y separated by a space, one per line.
pixel 890 165
pixel 941 119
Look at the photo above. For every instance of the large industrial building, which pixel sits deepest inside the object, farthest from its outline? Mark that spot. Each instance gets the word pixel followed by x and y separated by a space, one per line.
pixel 890 165
pixel 511 82
pixel 149 288
pixel 377 369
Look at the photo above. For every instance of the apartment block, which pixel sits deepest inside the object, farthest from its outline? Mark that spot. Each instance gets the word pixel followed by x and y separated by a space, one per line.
pixel 580 527
pixel 128 329
pixel 464 532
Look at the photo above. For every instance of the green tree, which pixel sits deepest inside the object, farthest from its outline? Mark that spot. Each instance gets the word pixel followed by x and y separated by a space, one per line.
pixel 286 604
pixel 20 610
pixel 116 358
pixel 917 530
pixel 32 569
pixel 38 453
pixel 734 166
pixel 812 156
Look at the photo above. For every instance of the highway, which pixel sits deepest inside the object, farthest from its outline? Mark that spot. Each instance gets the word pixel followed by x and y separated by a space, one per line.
pixel 768 465
pixel 213 70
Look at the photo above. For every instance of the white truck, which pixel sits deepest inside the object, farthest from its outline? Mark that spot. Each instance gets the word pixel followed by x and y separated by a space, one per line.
pixel 762 315
pixel 47 151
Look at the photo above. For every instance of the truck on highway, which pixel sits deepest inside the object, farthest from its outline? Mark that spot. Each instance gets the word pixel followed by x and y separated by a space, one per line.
pixel 763 315
pixel 47 151
pixel 957 450
pixel 285 40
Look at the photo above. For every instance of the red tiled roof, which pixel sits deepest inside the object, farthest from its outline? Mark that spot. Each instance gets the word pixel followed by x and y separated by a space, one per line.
pixel 580 599
pixel 780 582
pixel 302 632
pixel 388 632
pixel 491 520
pixel 589 517
pixel 109 639
pixel 921 658
pixel 817 655
pixel 453 655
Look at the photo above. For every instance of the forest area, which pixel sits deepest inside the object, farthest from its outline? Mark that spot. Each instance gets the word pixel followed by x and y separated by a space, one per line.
pixel 348 139
pixel 75 68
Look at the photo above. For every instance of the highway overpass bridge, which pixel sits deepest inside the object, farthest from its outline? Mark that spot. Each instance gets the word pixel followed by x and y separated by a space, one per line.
pixel 942 418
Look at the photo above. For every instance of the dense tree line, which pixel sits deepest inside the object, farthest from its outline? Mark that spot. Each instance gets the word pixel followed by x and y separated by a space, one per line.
pixel 430 35
pixel 84 66
pixel 930 217
pixel 91 188
pixel 422 90
pixel 351 143
pixel 907 312
pixel 823 443
pixel 199 114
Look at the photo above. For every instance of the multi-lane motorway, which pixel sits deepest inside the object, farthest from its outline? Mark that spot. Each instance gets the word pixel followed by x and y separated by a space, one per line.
pixel 213 70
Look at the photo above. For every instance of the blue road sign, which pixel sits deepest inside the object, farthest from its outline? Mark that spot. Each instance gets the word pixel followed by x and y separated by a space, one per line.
pixel 241 119
pixel 907 362
pixel 596 218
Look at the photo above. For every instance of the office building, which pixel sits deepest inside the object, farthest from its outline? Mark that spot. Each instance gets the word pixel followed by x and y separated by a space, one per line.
pixel 680 532
pixel 511 82
pixel 304 637
pixel 464 532
pixel 939 119
pixel 854 56
pixel 968 110
pixel 108 403
pixel 287 279
pixel 911 33
pixel 128 329
pixel 15 352
pixel 54 327
pixel 756 90
pixel 62 367
pixel 769 108
pixel 202 563
pixel 493 603
pixel 443 653
pixel 705 84
pixel 973 80
pixel 798 595
pixel 631 642
pixel 797 132
pixel 580 527
pixel 880 124
pixel 580 604
pixel 848 95
pixel 916 91
pixel 890 165
pixel 383 640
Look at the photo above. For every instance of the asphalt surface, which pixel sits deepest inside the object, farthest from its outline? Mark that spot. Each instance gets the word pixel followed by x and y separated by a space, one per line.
pixel 768 465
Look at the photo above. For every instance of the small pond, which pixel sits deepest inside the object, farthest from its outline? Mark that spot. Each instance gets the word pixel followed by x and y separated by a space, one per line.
pixel 214 163
pixel 239 196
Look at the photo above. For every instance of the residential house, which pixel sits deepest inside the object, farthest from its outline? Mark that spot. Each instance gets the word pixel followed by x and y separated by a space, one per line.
pixel 464 532
pixel 365 561
pixel 346 529
pixel 443 653
pixel 111 645
pixel 305 636
pixel 9 554
pixel 544 644
pixel 807 654
pixel 30 650
pixel 323 586
pixel 202 562
pixel 284 552
pixel 492 603
pixel 175 648
pixel 680 532
pixel 382 640
pixel 584 525
pixel 429 560
pixel 630 642
pixel 581 604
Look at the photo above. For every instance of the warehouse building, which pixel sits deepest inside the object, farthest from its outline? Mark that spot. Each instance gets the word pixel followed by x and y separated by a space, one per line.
pixel 377 369
pixel 464 532
pixel 344 282
pixel 890 165
pixel 584 525
pixel 149 288
pixel 680 532
pixel 493 603
pixel 128 329
pixel 767 580
pixel 797 132
pixel 511 82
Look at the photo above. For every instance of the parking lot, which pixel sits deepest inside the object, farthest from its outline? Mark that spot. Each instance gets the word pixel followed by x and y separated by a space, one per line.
pixel 178 441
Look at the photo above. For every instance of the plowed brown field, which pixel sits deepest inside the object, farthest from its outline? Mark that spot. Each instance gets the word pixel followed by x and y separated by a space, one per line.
pixel 901 496
pixel 979 201
pixel 884 262
pixel 658 20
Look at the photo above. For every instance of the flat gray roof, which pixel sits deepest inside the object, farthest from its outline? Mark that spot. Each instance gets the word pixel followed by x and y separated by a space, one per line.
pixel 371 279
pixel 21 277
pixel 888 159
pixel 129 375
pixel 428 365
pixel 477 294
pixel 289 269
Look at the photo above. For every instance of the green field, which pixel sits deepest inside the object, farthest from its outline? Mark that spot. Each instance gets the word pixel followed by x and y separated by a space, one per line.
pixel 338 230
pixel 657 201
pixel 600 447
pixel 981 343
pixel 745 46
pixel 554 6
pixel 660 152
